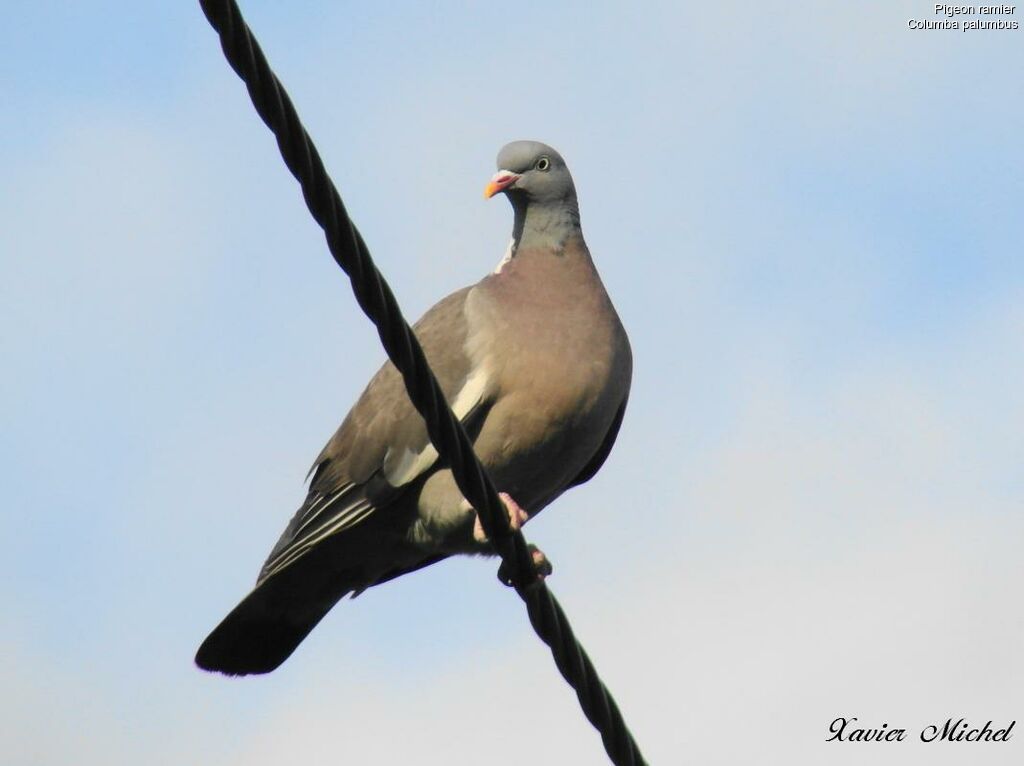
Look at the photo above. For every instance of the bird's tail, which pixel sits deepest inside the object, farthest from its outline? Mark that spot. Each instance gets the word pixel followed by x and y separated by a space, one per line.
pixel 266 627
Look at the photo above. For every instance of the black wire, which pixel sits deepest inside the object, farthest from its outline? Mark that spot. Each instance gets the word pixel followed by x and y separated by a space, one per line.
pixel 446 432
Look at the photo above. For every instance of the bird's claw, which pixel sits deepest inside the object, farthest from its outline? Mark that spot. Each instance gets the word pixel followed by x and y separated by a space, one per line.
pixel 516 518
pixel 540 564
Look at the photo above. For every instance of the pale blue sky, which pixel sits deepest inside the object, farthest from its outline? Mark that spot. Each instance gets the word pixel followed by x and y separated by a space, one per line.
pixel 809 218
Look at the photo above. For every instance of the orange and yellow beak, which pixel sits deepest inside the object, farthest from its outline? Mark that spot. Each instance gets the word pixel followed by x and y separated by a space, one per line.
pixel 499 182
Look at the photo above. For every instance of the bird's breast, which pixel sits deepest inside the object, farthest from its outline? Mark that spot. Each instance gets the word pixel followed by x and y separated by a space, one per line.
pixel 550 344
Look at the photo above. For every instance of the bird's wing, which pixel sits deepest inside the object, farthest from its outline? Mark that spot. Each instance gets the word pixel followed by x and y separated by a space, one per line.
pixel 382 447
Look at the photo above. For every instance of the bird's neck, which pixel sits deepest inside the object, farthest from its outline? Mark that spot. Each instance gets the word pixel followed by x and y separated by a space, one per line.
pixel 544 226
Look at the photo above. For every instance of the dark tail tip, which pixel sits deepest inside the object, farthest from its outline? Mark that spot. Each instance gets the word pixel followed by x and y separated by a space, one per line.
pixel 255 639
pixel 266 627
pixel 243 647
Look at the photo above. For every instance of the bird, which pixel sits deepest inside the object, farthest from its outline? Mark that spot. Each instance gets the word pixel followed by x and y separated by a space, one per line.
pixel 537 366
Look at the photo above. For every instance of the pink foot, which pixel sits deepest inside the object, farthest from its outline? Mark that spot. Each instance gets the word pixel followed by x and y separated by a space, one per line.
pixel 516 517
pixel 544 567
pixel 540 562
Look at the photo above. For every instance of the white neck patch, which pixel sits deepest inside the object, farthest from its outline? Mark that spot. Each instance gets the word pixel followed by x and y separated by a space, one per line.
pixel 507 257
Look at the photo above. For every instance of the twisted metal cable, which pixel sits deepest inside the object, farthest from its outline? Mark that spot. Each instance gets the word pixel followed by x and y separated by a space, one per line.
pixel 446 432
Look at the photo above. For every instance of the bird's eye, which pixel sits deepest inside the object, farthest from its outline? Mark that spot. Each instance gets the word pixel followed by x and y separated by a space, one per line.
pixel 543 164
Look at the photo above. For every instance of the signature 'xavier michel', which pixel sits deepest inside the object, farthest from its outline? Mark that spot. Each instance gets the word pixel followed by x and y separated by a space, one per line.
pixel 536 365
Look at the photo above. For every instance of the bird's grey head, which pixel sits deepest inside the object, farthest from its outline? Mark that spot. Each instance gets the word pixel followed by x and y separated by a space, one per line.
pixel 532 173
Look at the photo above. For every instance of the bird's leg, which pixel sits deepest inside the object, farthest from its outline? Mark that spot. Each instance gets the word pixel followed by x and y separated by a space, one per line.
pixel 516 518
